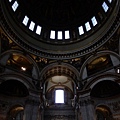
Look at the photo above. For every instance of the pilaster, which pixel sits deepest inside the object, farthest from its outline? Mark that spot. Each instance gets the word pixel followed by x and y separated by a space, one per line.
pixel 87 109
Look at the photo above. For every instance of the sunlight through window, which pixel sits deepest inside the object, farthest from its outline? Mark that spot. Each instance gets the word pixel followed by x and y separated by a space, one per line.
pixel 81 31
pixel 94 21
pixel 15 6
pixel 25 20
pixel 52 34
pixel 105 6
pixel 118 70
pixel 59 35
pixel 59 96
pixel 67 34
pixel 32 25
pixel 110 1
pixel 87 25
pixel 10 0
pixel 38 30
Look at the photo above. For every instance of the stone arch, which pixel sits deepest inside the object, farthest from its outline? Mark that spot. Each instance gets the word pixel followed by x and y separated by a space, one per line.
pixel 24 80
pixel 7 54
pixel 114 57
pixel 13 88
pixel 74 74
pixel 106 76
pixel 62 71
pixel 103 112
pixel 15 112
pixel 105 89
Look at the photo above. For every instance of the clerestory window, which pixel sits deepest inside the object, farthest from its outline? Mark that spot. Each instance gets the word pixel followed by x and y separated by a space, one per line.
pixel 32 25
pixel 38 30
pixel 81 31
pixel 87 25
pixel 59 35
pixel 52 34
pixel 10 0
pixel 94 21
pixel 15 6
pixel 105 6
pixel 25 20
pixel 67 34
pixel 110 1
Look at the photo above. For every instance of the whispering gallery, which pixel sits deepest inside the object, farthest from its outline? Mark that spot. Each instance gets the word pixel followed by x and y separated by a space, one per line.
pixel 59 59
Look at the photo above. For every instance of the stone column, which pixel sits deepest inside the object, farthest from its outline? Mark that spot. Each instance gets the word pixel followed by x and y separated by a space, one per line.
pixel 31 110
pixel 41 111
pixel 35 110
pixel 83 111
pixel 28 110
pixel 79 117
pixel 0 42
pixel 119 44
pixel 87 108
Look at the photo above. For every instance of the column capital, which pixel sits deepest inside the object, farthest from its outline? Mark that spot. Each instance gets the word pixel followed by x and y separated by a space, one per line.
pixel 86 101
pixel 33 102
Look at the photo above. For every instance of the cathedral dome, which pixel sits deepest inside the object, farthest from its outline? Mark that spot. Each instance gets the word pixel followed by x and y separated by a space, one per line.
pixel 60 29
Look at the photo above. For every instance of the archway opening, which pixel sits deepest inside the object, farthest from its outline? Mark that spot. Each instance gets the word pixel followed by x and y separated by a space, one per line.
pixel 16 113
pixel 13 88
pixel 103 113
pixel 105 89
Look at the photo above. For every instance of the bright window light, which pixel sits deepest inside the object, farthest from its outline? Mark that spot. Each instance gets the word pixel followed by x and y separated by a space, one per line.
pixel 94 21
pixel 110 1
pixel 32 25
pixel 23 68
pixel 10 0
pixel 105 6
pixel 81 31
pixel 87 25
pixel 59 35
pixel 38 30
pixel 118 70
pixel 67 34
pixel 52 34
pixel 59 96
pixel 15 6
pixel 25 20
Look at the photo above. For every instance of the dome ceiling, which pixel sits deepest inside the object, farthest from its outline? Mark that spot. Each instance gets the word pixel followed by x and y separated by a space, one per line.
pixel 59 82
pixel 61 29
pixel 60 14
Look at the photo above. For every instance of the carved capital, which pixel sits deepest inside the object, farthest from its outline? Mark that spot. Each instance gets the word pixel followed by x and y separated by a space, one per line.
pixel 86 102
pixel 33 102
